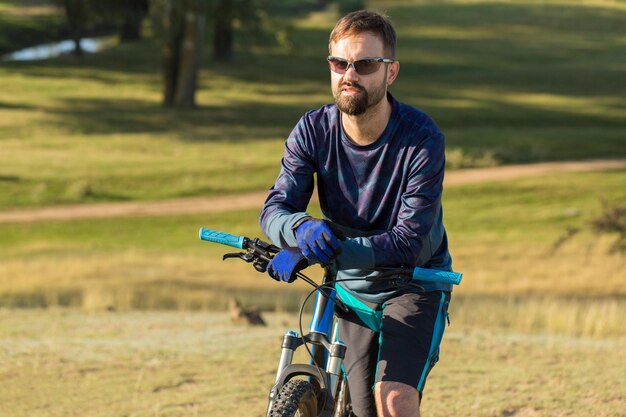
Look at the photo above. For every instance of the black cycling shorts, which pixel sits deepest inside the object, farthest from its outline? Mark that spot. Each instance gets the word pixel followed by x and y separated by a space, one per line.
pixel 405 350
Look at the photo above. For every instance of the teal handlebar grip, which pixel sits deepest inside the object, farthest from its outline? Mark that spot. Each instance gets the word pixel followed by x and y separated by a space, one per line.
pixel 435 275
pixel 221 237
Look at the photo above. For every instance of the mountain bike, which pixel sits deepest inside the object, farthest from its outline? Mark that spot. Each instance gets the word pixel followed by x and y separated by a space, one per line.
pixel 318 388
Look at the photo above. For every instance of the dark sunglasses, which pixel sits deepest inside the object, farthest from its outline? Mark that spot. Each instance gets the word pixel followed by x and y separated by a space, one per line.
pixel 363 66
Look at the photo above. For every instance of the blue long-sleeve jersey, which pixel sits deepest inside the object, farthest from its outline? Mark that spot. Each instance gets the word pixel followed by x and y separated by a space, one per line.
pixel 385 197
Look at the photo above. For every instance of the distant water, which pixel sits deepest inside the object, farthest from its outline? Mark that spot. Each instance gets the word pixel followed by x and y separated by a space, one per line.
pixel 52 50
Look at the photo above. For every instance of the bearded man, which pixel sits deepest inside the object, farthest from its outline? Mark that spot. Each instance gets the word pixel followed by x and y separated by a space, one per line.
pixel 379 166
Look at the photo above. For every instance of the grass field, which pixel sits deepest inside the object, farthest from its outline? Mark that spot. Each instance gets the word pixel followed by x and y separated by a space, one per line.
pixel 504 236
pixel 67 363
pixel 124 317
pixel 508 82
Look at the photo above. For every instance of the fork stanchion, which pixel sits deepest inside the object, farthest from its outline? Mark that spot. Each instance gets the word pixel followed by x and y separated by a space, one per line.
pixel 335 360
pixel 290 343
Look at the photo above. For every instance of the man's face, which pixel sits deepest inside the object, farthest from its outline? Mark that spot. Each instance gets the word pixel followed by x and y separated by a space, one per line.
pixel 355 93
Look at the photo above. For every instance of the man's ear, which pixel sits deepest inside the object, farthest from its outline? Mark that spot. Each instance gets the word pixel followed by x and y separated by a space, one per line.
pixel 392 72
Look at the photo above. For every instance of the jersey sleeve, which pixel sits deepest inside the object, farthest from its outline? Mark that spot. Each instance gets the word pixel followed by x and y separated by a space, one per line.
pixel 290 195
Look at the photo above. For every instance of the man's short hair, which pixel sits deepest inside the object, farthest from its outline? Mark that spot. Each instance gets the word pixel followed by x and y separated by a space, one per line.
pixel 366 21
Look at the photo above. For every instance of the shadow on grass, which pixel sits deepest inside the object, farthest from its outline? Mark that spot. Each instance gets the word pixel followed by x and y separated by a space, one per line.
pixel 235 122
pixel 248 120
pixel 13 106
pixel 471 66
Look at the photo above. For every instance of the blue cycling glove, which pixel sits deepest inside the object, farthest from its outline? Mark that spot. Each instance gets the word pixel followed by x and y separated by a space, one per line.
pixel 286 264
pixel 317 241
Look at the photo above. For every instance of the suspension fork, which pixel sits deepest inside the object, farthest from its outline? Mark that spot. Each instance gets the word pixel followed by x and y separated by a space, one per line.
pixel 328 351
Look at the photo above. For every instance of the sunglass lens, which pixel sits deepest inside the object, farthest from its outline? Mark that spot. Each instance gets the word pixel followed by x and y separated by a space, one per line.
pixel 338 65
pixel 365 67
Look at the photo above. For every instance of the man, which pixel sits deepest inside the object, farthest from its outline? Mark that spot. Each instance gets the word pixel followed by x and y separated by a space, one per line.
pixel 379 166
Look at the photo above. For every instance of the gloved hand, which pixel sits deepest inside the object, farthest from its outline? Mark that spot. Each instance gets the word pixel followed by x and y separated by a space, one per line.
pixel 317 241
pixel 286 264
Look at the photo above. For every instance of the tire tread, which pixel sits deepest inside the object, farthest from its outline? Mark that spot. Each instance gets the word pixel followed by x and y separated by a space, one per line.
pixel 288 399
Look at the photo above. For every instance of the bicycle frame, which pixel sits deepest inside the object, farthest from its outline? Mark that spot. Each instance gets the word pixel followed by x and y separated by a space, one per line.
pixel 325 370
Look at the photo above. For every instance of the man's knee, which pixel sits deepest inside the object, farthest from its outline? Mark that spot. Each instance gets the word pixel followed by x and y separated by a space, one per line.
pixel 395 399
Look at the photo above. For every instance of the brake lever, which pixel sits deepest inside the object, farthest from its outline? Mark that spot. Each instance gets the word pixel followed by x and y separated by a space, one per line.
pixel 248 257
pixel 258 261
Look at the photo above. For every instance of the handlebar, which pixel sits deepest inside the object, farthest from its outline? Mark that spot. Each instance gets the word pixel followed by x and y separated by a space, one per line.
pixel 435 275
pixel 259 253
pixel 223 238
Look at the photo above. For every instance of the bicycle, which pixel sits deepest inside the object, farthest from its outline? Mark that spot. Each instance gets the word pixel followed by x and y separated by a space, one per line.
pixel 324 390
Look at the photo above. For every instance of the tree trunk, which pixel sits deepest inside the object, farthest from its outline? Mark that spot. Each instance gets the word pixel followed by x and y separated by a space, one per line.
pixel 78 50
pixel 76 16
pixel 171 54
pixel 223 36
pixel 131 28
pixel 186 84
pixel 136 11
pixel 184 26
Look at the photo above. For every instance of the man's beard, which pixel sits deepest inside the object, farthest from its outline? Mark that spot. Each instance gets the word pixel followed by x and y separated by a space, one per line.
pixel 358 104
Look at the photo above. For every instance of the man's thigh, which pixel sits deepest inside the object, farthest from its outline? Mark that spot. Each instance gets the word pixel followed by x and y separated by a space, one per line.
pixel 413 326
pixel 404 351
pixel 360 362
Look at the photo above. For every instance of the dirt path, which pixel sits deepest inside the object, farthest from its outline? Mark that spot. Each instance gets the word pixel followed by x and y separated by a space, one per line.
pixel 254 200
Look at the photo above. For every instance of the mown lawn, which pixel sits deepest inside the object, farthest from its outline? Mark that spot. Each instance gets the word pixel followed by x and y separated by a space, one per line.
pixel 508 82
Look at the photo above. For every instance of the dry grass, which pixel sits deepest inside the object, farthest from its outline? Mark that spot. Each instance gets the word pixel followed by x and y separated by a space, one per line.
pixel 569 299
pixel 135 280
pixel 73 363
pixel 581 268
pixel 502 234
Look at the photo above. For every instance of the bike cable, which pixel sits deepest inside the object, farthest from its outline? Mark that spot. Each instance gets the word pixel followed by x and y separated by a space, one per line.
pixel 304 341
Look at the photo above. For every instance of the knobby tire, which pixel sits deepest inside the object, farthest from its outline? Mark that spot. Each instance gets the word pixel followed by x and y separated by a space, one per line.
pixel 297 398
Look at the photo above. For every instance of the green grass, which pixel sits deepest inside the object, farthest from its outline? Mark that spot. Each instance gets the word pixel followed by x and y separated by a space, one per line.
pixel 508 82
pixel 503 236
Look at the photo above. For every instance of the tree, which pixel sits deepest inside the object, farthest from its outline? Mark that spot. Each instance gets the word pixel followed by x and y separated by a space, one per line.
pixel 256 18
pixel 183 27
pixel 86 16
pixel 80 16
pixel 223 16
pixel 182 24
pixel 131 14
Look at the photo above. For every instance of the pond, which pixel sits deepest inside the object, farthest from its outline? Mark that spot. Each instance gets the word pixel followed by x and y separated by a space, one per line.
pixel 52 50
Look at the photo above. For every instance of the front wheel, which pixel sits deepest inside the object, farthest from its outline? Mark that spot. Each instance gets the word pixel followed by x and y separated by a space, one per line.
pixel 343 407
pixel 295 399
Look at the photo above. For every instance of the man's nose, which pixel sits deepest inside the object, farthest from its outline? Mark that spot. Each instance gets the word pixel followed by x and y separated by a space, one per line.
pixel 351 74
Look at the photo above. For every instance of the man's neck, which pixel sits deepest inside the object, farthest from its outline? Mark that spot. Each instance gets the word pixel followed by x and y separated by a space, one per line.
pixel 366 128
